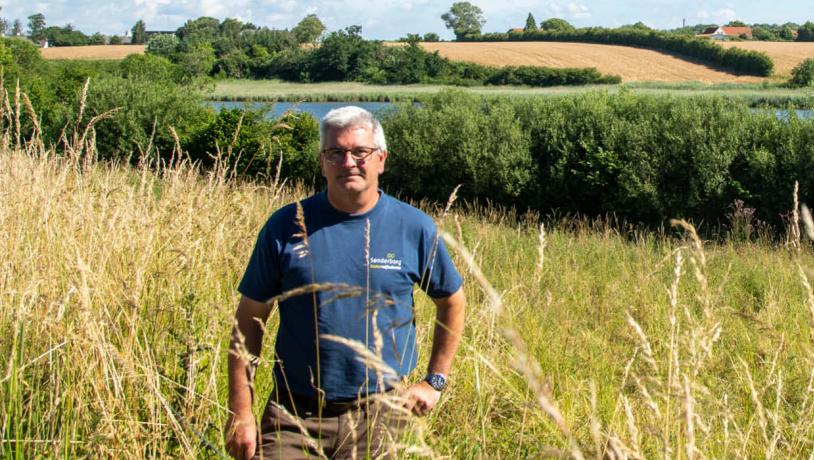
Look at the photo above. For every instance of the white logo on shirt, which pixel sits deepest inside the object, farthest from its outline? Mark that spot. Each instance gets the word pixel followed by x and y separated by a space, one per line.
pixel 389 262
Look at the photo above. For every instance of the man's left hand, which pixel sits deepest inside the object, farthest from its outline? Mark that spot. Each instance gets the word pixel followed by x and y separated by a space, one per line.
pixel 421 398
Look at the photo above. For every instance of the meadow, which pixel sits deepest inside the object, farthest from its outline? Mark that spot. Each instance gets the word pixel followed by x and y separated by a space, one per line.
pixel 584 338
pixel 281 91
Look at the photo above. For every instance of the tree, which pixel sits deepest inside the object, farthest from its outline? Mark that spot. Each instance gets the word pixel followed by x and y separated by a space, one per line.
pixel 64 36
pixel 203 29
pixel 309 30
pixel 531 23
pixel 556 25
pixel 198 60
pixel 164 45
pixel 763 33
pixel 36 26
pixel 115 40
pixel 465 19
pixel 17 29
pixel 3 24
pixel 806 32
pixel 139 33
pixel 803 74
pixel 431 37
pixel 736 23
pixel 786 33
pixel 97 39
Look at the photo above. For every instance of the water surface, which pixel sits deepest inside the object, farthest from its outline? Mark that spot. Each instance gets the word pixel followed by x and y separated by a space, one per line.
pixel 316 109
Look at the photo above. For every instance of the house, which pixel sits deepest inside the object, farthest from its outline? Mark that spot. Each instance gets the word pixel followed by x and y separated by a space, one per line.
pixel 516 30
pixel 43 43
pixel 725 32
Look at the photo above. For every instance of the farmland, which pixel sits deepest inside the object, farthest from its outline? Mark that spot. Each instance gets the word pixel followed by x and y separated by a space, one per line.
pixel 632 64
pixel 786 55
pixel 92 52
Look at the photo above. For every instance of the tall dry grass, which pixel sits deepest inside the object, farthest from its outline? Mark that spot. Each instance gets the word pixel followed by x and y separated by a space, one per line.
pixel 117 295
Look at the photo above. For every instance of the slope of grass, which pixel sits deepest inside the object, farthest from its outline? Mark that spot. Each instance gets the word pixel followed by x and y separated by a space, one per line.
pixel 117 293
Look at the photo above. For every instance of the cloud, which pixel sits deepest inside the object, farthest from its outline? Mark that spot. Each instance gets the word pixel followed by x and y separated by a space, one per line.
pixel 719 16
pixel 571 10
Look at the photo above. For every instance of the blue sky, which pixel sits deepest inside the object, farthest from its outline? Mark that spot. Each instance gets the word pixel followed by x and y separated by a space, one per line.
pixel 390 19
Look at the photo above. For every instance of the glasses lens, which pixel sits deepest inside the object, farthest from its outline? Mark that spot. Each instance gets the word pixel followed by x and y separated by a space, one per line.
pixel 337 155
pixel 360 153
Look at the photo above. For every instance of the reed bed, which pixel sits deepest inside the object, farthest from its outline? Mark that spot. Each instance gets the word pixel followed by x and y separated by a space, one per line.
pixel 117 295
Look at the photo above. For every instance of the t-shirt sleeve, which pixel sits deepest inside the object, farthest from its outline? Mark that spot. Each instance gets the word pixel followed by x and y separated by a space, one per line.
pixel 261 280
pixel 440 278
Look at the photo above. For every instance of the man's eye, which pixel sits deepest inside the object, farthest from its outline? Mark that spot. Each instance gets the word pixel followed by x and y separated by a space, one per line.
pixel 360 152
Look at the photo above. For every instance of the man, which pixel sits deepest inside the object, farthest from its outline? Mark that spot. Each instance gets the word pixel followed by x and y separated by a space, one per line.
pixel 353 254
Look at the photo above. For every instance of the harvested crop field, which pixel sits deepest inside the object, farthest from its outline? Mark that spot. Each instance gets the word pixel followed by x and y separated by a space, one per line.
pixel 92 52
pixel 786 55
pixel 632 64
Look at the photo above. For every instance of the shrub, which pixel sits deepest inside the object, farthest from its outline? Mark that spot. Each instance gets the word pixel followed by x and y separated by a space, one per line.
pixel 259 143
pixel 144 105
pixel 453 138
pixel 643 158
pixel 803 74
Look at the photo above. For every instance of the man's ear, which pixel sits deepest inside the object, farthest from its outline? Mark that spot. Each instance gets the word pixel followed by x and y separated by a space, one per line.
pixel 383 158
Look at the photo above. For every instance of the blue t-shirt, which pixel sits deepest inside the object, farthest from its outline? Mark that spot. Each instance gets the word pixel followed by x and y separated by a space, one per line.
pixel 404 251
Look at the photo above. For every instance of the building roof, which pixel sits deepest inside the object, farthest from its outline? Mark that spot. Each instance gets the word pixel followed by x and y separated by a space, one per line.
pixel 727 30
pixel 737 31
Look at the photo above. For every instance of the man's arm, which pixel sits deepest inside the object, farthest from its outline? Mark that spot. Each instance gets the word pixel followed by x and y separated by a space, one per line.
pixel 449 327
pixel 241 429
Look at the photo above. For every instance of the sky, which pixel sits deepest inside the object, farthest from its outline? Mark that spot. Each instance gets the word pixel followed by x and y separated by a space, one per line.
pixel 391 19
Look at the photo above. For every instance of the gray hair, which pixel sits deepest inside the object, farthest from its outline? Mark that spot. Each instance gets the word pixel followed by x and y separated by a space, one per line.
pixel 349 117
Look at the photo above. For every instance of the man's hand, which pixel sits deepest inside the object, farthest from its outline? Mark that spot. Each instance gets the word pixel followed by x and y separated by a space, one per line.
pixel 241 436
pixel 421 398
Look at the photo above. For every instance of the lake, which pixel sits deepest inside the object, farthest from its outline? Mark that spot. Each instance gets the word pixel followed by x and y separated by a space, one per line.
pixel 316 109
pixel 319 109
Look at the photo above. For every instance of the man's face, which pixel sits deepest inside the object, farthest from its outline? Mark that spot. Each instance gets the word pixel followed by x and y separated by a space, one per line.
pixel 349 177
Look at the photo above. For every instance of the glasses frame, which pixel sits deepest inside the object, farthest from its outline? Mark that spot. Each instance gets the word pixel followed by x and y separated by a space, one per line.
pixel 359 160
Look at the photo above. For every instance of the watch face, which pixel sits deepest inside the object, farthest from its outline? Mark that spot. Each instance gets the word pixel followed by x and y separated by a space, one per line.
pixel 437 381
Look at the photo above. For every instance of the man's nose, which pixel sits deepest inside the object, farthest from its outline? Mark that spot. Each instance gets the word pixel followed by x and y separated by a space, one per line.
pixel 347 160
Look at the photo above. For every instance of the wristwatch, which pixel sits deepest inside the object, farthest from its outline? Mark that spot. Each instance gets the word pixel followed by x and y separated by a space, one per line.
pixel 437 381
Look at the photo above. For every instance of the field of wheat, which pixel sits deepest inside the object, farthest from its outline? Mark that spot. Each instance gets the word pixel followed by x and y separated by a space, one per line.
pixel 91 52
pixel 632 64
pixel 117 295
pixel 786 55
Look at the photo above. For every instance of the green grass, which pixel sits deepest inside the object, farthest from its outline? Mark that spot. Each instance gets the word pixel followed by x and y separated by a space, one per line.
pixel 276 91
pixel 118 302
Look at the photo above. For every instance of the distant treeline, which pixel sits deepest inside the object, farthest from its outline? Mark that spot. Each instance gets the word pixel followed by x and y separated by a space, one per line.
pixel 206 46
pixel 736 59
pixel 789 31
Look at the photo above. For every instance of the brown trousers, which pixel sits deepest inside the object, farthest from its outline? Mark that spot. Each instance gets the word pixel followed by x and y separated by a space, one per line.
pixel 295 428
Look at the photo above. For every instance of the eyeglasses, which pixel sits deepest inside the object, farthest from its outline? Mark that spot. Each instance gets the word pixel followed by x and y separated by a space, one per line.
pixel 336 156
